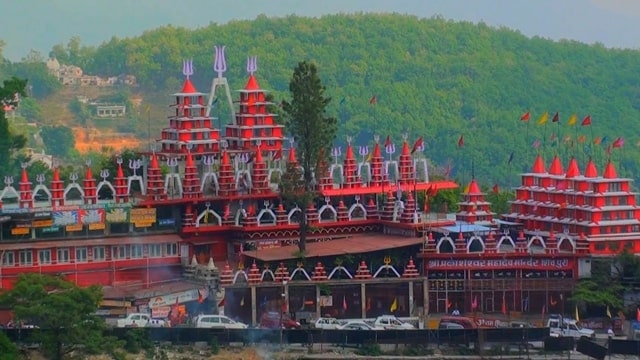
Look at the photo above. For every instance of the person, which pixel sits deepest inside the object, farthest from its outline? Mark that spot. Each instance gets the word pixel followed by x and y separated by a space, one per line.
pixel 455 312
pixel 610 333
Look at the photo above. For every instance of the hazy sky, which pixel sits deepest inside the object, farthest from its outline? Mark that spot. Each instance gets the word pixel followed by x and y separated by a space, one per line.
pixel 39 24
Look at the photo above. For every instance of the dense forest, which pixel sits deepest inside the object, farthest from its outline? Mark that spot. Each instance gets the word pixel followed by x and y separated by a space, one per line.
pixel 435 78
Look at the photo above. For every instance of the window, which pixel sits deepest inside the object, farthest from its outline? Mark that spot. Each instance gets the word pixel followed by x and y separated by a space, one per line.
pixel 171 250
pixel 8 259
pixel 44 257
pixel 136 251
pixel 98 253
pixel 155 250
pixel 26 258
pixel 81 254
pixel 63 255
pixel 120 252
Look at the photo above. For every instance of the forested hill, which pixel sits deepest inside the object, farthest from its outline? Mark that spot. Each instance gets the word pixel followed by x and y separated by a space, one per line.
pixel 431 77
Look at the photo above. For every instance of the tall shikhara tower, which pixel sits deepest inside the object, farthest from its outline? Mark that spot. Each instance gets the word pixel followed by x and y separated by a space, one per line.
pixel 190 129
pixel 253 125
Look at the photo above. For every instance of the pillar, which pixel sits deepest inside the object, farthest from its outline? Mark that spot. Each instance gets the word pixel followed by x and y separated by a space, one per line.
pixel 363 300
pixel 425 296
pixel 410 298
pixel 318 308
pixel 254 308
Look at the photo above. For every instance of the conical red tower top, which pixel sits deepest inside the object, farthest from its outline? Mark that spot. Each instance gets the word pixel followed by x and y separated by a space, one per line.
pixel 376 150
pixel 556 167
pixel 56 174
pixel 405 148
pixel 119 172
pixel 610 171
pixel 590 171
pixel 292 155
pixel 538 165
pixel 88 175
pixel 25 177
pixel 349 155
pixel 474 189
pixel 225 158
pixel 572 169
pixel 154 161
pixel 189 160
pixel 258 158
pixel 252 83
pixel 188 88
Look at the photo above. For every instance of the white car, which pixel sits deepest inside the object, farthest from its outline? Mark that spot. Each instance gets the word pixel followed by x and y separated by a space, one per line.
pixel 139 320
pixel 218 322
pixel 358 325
pixel 327 323
pixel 390 322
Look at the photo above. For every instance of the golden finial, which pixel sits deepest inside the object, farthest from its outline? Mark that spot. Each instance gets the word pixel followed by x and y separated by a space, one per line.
pixel 240 265
pixel 299 264
pixel 387 260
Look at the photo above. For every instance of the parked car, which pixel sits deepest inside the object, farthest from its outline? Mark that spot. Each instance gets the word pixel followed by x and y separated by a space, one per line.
pixel 217 322
pixel 464 322
pixel 357 325
pixel 391 322
pixel 275 320
pixel 140 320
pixel 450 326
pixel 327 323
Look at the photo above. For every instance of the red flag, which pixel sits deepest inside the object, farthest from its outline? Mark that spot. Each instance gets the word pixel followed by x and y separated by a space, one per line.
pixel 556 117
pixel 418 144
pixel 495 189
pixel 526 116
pixel 387 142
pixel 200 297
pixel 373 100
pixel 586 121
pixel 552 302
pixel 461 141
pixel 344 303
pixel 618 142
pixel 222 302
pixel 448 303
pixel 638 315
pixel 474 303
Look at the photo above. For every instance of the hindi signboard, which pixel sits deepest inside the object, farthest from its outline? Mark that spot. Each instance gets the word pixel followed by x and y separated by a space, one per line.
pixel 142 217
pixel 492 264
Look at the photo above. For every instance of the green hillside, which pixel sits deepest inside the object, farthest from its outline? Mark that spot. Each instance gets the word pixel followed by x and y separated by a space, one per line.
pixel 431 77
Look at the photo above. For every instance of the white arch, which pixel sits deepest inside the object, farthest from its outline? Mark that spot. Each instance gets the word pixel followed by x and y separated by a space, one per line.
pixel 422 172
pixel 41 187
pixel 240 214
pixel 386 267
pixel 291 213
pixel 140 181
pixel 332 170
pixel 445 239
pixel 108 184
pixel 475 238
pixel 364 168
pixel 10 192
pixel 339 268
pixel 68 188
pixel 262 213
pixel 391 164
pixel 570 240
pixel 357 206
pixel 301 270
pixel 213 178
pixel 330 208
pixel 267 272
pixel 530 242
pixel 175 182
pixel 245 176
pixel 504 239
pixel 240 273
pixel 204 213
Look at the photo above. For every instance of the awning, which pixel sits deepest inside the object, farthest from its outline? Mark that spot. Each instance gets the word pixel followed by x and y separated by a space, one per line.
pixel 110 241
pixel 351 245
pixel 464 228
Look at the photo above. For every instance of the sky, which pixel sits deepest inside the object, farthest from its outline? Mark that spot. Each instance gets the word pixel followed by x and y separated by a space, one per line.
pixel 40 24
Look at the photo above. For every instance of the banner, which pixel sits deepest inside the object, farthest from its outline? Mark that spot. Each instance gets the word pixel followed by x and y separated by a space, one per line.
pixel 143 217
pixel 182 297
pixel 95 216
pixel 117 215
pixel 502 264
pixel 64 218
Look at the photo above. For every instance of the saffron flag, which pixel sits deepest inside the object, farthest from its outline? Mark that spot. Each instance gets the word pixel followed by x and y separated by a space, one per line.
pixel 608 312
pixel 344 303
pixel 578 314
pixel 552 302
pixel 495 189
pixel 526 116
pixel 373 100
pixel 474 303
pixel 461 141
pixel 417 145
pixel 394 305
pixel 543 119
pixel 200 297
pixel 597 140
pixel 586 121
pixel 369 157
pixel 556 117
pixel 573 120
pixel 448 303
pixel 581 139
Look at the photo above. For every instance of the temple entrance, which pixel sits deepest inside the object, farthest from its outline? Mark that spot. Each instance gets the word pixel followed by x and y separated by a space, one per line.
pixel 202 253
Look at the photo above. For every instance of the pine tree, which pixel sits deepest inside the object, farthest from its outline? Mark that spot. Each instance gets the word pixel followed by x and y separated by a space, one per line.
pixel 10 94
pixel 313 131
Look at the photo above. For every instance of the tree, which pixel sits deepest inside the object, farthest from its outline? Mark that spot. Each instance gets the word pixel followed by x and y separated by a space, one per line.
pixel 63 312
pixel 58 140
pixel 10 94
pixel 313 131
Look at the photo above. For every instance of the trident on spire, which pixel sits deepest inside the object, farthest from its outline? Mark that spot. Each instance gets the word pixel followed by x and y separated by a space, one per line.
pixel 187 68
pixel 363 151
pixel 220 63
pixel 252 64
pixel 336 152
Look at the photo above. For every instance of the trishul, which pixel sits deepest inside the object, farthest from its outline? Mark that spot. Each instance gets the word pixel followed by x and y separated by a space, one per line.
pixel 219 63
pixel 187 68
pixel 252 64
pixel 336 152
pixel 134 165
